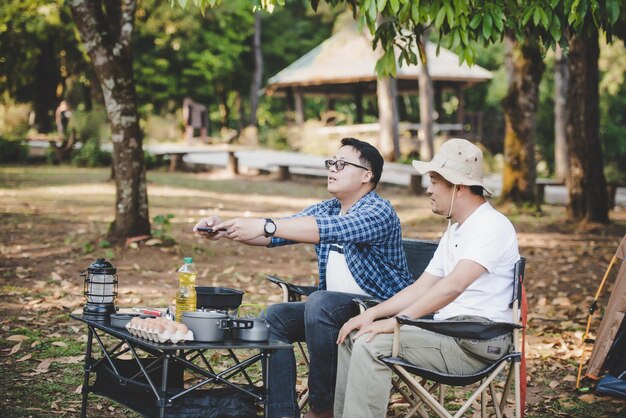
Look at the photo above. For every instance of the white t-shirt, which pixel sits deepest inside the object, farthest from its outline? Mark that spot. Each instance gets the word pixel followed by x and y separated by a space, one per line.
pixel 488 238
pixel 338 276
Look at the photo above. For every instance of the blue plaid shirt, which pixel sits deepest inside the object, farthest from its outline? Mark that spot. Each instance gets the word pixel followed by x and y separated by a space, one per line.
pixel 372 243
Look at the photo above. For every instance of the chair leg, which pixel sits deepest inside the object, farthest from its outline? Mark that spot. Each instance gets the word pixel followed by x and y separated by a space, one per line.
pixel 432 403
pixel 442 394
pixel 483 405
pixel 518 396
pixel 480 389
pixel 397 385
pixel 304 399
pixel 507 387
pixel 494 400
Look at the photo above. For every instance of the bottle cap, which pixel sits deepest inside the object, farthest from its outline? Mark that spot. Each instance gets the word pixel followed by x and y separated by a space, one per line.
pixel 188 260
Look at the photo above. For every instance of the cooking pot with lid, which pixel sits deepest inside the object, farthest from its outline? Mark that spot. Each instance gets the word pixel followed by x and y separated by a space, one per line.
pixel 250 329
pixel 208 326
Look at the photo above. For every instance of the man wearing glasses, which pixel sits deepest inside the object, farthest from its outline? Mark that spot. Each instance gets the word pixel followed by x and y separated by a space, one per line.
pixel 358 241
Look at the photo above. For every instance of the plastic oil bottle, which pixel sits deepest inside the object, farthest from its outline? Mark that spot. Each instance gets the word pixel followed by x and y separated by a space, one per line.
pixel 186 295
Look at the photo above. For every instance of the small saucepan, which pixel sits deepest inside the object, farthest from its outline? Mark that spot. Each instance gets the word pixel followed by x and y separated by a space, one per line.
pixel 208 326
pixel 250 329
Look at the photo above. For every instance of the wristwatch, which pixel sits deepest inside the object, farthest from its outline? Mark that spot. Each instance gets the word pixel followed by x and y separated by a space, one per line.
pixel 269 228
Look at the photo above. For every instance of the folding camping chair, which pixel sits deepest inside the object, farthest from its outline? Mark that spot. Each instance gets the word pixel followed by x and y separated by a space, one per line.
pixel 420 393
pixel 418 254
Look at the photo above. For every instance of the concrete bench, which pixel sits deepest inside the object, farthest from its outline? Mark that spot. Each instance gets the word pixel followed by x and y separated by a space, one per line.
pixel 176 153
pixel 415 178
pixel 611 188
pixel 541 186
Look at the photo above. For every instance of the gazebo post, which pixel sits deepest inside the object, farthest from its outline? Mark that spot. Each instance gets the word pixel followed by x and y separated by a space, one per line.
pixel 358 100
pixel 299 102
pixel 460 111
pixel 289 105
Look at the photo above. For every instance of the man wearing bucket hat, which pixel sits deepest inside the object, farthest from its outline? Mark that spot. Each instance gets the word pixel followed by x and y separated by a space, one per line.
pixel 470 277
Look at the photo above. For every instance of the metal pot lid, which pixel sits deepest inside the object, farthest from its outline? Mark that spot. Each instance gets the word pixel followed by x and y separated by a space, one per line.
pixel 207 314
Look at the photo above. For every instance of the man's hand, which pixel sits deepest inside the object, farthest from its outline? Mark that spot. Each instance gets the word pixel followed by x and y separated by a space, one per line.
pixel 210 222
pixel 357 322
pixel 243 229
pixel 384 326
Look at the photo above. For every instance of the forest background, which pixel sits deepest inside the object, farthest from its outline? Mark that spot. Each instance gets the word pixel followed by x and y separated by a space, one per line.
pixel 209 58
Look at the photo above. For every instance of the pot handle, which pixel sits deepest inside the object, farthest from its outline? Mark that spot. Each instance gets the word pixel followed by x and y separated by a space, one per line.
pixel 240 323
pixel 223 324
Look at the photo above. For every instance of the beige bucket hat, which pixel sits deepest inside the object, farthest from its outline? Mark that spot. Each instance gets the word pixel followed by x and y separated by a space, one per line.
pixel 458 161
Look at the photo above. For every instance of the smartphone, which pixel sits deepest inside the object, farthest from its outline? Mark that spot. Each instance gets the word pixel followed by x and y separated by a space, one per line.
pixel 208 230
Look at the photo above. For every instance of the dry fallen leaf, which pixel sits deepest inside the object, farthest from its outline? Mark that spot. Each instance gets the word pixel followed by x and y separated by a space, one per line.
pixel 44 365
pixel 569 378
pixel 59 344
pixel 17 338
pixel 26 357
pixel 16 348
pixel 70 359
pixel 588 398
pixel 553 384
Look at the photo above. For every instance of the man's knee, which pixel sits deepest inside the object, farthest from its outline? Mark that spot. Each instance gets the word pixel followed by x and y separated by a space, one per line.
pixel 329 307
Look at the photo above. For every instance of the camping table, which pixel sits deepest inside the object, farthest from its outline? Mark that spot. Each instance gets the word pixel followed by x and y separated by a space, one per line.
pixel 181 354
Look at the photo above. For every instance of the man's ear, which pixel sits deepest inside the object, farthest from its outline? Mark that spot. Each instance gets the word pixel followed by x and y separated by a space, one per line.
pixel 367 176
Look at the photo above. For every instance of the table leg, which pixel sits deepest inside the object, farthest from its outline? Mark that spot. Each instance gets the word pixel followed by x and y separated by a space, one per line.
pixel 87 369
pixel 266 378
pixel 163 394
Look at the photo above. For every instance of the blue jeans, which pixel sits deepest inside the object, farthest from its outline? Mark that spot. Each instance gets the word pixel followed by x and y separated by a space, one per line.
pixel 316 321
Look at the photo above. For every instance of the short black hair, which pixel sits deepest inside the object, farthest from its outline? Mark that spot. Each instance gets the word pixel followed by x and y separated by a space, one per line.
pixel 369 157
pixel 477 190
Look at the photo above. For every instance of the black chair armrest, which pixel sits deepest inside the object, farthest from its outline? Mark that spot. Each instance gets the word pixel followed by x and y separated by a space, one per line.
pixel 294 292
pixel 366 303
pixel 460 329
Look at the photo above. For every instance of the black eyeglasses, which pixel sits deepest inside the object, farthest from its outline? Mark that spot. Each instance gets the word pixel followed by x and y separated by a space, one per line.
pixel 340 164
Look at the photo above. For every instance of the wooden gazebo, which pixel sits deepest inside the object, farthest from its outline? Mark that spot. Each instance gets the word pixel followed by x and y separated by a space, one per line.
pixel 344 66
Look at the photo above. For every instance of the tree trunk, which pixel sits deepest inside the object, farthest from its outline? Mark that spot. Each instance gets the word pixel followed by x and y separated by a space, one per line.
pixel 106 32
pixel 426 97
pixel 257 77
pixel 388 140
pixel 560 114
pixel 47 80
pixel 588 201
pixel 520 109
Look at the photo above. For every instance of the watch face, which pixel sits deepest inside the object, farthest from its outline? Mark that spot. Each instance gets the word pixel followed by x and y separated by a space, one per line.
pixel 270 228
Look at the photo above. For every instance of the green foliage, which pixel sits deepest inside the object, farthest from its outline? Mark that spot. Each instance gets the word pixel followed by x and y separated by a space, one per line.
pixel 90 124
pixel 162 227
pixel 274 138
pixel 14 118
pixel 91 155
pixel 39 53
pixel 12 151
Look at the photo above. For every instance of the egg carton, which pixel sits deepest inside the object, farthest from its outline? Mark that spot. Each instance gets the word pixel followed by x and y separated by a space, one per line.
pixel 159 330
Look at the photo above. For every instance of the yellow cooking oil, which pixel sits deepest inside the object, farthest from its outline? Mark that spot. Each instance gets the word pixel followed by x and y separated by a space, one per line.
pixel 186 294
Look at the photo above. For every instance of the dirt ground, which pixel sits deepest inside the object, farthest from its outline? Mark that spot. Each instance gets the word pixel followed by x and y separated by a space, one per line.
pixel 53 223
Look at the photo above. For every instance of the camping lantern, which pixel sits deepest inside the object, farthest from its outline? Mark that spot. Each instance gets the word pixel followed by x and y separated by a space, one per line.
pixel 100 290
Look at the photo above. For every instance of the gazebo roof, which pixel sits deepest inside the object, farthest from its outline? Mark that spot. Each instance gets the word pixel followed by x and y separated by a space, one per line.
pixel 345 63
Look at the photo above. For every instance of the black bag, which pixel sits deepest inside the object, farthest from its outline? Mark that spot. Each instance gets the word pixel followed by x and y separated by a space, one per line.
pixel 210 403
